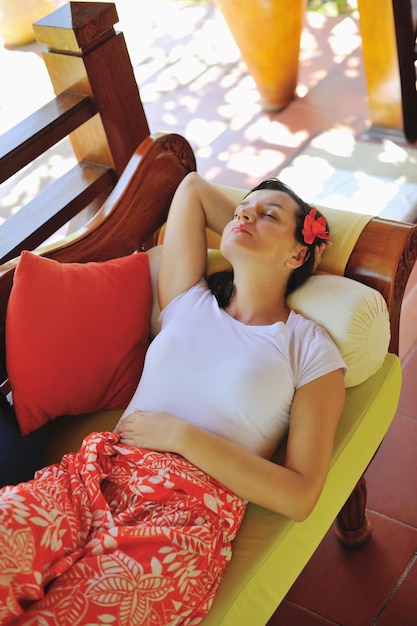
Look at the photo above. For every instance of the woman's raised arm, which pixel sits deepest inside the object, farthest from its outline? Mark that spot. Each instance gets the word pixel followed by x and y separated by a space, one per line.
pixel 195 206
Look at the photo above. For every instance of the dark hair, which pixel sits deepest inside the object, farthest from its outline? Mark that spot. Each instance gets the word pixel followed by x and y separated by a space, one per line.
pixel 221 284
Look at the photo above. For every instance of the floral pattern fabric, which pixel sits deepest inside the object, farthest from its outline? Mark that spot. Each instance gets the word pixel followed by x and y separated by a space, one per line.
pixel 114 535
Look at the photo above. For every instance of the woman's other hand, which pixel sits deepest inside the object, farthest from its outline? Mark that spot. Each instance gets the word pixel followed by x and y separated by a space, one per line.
pixel 153 430
pixel 318 253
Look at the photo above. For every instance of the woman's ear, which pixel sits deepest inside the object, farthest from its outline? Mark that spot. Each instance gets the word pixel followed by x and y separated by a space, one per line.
pixel 298 258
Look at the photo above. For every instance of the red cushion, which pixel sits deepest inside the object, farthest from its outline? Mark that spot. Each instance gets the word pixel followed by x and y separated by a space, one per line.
pixel 76 335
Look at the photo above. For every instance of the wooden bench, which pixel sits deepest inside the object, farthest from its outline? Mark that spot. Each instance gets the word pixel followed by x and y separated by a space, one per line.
pixel 270 550
pixel 142 179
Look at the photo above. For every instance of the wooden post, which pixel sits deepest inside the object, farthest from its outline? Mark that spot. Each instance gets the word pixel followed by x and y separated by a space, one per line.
pixel 381 63
pixel 388 42
pixel 85 55
pixel 406 43
pixel 353 528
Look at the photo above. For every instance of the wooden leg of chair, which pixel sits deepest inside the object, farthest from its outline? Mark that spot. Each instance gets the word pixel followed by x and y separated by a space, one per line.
pixel 353 528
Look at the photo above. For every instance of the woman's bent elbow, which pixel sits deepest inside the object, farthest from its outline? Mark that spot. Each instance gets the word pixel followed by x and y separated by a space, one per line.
pixel 303 507
pixel 302 514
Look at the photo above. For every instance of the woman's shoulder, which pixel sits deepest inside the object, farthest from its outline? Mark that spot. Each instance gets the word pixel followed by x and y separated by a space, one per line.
pixel 308 334
pixel 188 300
pixel 298 323
pixel 312 350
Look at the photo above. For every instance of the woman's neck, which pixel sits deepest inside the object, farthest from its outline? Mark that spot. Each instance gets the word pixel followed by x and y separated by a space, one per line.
pixel 258 303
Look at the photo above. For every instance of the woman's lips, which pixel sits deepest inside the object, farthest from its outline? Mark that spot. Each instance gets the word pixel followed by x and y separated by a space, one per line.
pixel 240 229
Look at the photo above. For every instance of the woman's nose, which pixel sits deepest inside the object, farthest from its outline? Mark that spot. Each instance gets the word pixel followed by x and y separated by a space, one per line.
pixel 245 214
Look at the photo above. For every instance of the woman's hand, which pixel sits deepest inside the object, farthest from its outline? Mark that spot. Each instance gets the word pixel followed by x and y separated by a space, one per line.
pixel 153 430
pixel 318 253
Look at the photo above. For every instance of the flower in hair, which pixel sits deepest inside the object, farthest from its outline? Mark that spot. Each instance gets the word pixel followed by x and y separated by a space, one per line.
pixel 314 227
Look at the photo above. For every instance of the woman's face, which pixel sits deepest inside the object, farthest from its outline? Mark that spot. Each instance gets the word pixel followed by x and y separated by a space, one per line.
pixel 263 228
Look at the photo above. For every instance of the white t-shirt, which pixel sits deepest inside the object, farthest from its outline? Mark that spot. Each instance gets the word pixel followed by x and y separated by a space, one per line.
pixel 231 379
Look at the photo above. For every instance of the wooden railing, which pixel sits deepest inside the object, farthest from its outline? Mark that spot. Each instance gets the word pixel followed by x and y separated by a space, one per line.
pixel 97 105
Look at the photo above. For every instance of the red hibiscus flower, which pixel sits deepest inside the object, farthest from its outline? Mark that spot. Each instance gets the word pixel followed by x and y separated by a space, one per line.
pixel 314 227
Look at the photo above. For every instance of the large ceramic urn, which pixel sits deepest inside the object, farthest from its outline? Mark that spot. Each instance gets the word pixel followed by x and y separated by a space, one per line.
pixel 17 17
pixel 268 34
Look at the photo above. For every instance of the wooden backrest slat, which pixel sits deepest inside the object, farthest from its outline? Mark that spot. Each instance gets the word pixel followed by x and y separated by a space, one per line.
pixel 42 130
pixel 53 207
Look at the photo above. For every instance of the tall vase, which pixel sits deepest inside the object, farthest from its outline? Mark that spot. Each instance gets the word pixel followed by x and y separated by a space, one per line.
pixel 268 34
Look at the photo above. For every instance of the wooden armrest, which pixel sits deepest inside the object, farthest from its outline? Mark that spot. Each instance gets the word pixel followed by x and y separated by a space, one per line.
pixel 383 258
pixel 137 206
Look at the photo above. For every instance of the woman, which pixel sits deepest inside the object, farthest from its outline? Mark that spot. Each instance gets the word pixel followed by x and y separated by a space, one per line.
pixel 141 522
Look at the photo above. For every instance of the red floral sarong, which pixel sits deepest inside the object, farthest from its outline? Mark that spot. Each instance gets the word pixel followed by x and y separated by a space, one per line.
pixel 114 535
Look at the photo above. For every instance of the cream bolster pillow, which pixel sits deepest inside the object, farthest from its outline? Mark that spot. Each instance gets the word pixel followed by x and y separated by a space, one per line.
pixel 354 315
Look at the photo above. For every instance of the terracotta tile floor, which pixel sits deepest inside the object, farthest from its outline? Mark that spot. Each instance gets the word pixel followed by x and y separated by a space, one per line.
pixel 193 82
